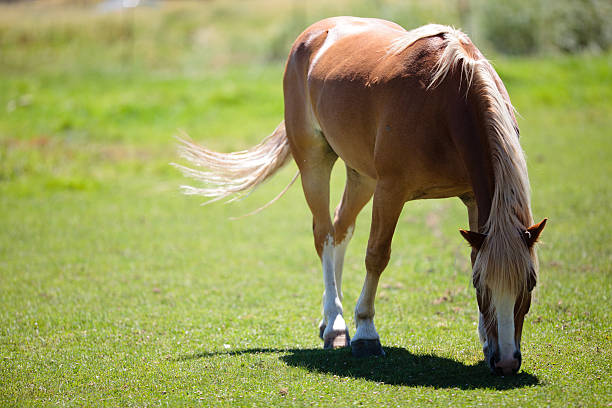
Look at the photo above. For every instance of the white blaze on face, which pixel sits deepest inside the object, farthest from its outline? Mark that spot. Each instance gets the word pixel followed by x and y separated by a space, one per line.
pixel 504 310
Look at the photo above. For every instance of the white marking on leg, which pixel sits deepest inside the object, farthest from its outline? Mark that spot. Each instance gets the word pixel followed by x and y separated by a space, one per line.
pixel 339 252
pixel 504 310
pixel 332 306
pixel 364 311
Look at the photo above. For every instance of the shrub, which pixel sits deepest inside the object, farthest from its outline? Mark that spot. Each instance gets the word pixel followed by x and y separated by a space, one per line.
pixel 529 26
pixel 578 25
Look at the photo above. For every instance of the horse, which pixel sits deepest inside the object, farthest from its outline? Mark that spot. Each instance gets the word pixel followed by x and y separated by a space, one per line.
pixel 418 114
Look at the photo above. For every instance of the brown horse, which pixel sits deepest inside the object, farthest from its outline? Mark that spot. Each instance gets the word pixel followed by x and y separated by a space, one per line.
pixel 413 114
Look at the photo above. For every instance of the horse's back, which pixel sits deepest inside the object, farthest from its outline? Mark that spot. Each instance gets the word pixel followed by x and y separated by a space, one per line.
pixel 373 106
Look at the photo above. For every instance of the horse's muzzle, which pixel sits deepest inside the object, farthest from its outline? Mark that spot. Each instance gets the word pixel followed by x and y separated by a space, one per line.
pixel 508 366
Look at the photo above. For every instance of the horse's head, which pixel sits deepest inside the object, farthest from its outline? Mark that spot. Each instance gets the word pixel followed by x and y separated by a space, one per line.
pixel 504 274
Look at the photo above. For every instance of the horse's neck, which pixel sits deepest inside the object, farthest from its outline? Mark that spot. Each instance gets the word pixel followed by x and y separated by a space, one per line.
pixel 497 167
pixel 468 132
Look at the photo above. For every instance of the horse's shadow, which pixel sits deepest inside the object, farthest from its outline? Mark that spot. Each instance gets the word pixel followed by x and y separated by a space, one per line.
pixel 398 367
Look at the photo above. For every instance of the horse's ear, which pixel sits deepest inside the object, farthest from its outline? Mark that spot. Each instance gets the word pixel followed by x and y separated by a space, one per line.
pixel 475 239
pixel 533 233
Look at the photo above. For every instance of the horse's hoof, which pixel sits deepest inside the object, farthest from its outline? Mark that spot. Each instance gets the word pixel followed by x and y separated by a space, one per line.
pixel 366 348
pixel 341 339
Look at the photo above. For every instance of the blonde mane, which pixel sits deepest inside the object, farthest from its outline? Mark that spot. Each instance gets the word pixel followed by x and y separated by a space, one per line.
pixel 503 262
pixel 410 37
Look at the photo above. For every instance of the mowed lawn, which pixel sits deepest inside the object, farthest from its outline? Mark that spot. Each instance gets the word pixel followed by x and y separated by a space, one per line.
pixel 117 290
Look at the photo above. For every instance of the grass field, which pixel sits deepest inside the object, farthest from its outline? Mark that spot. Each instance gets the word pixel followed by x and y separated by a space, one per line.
pixel 116 290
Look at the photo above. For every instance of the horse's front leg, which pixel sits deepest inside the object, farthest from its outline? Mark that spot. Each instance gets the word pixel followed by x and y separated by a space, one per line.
pixel 470 202
pixel 388 204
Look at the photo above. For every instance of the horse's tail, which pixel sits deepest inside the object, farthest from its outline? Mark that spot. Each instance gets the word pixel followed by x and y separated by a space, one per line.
pixel 234 174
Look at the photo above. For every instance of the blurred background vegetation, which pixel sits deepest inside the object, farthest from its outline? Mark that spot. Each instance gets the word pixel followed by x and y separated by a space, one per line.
pixel 193 35
pixel 82 72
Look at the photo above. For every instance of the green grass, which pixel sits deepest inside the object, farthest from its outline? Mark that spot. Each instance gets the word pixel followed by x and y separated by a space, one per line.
pixel 116 290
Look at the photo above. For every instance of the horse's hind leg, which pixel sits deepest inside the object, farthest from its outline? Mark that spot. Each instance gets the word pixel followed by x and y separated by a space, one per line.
pixel 315 160
pixel 357 193
pixel 387 207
